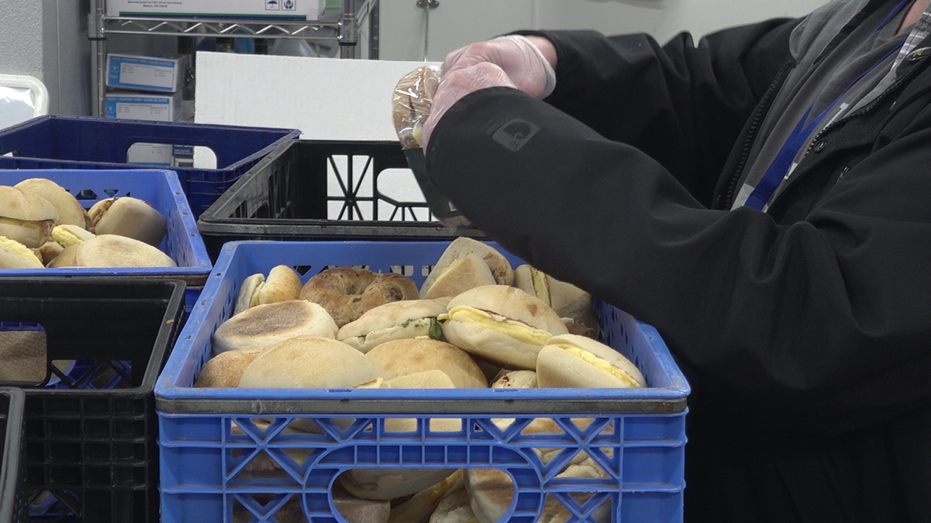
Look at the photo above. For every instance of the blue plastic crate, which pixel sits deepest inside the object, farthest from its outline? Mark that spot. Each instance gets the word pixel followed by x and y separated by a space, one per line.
pixel 639 434
pixel 83 142
pixel 158 187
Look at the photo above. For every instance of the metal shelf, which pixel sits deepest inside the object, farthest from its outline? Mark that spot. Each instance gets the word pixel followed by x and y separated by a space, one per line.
pixel 346 22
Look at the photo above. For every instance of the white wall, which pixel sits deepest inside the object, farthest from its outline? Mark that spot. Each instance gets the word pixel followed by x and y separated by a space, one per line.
pixel 47 39
pixel 455 23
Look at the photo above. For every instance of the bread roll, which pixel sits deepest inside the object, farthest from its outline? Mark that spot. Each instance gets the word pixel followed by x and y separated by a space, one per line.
pixel 394 321
pixel 455 254
pixel 225 369
pixel 577 361
pixel 454 508
pixel 70 211
pixel 25 218
pixel 459 276
pixel 410 356
pixel 308 362
pixel 14 255
pixel 419 507
pixel 391 483
pixel 265 325
pixel 502 324
pixel 112 251
pixel 130 217
pixel 282 284
pixel 517 379
pixel 571 303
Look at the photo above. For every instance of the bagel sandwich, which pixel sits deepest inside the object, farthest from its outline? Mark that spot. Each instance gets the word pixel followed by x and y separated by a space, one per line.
pixel 265 325
pixel 15 255
pixel 573 304
pixel 128 216
pixel 394 321
pixel 502 324
pixel 25 217
pixel 282 284
pixel 411 356
pixel 112 251
pixel 573 360
pixel 461 271
pixel 347 292
pixel 70 211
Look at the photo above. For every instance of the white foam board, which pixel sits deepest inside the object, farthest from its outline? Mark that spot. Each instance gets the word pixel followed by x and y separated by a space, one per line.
pixel 326 98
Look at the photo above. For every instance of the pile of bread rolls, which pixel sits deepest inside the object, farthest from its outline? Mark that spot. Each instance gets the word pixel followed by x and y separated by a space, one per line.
pixel 474 315
pixel 44 225
pixel 475 322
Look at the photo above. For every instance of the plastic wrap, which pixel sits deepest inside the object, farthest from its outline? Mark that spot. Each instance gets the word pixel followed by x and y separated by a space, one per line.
pixel 411 103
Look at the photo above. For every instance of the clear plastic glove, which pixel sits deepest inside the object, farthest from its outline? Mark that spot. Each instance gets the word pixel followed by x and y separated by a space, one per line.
pixel 457 84
pixel 523 62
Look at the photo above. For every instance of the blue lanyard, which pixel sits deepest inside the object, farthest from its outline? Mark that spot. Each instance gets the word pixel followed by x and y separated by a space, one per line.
pixel 779 168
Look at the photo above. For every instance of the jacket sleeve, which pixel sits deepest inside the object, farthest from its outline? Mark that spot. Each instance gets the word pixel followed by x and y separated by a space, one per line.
pixel 664 100
pixel 820 326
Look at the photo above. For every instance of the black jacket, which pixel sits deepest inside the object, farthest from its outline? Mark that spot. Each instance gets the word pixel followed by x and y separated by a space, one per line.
pixel 805 331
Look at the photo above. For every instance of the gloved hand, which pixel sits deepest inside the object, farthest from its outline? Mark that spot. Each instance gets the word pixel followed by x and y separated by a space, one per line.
pixel 507 61
pixel 523 62
pixel 456 84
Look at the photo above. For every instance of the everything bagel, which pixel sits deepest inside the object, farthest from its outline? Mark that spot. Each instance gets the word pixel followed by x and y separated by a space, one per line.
pixel 347 292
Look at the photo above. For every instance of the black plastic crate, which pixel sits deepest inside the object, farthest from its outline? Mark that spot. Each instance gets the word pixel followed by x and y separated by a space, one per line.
pixel 320 189
pixel 12 465
pixel 91 438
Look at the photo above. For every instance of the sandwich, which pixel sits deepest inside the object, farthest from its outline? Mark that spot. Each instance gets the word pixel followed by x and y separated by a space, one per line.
pixel 419 507
pixel 112 251
pixel 574 305
pixel 25 217
pixel 282 284
pixel 15 255
pixel 265 325
pixel 502 324
pixel 572 360
pixel 454 508
pixel 70 211
pixel 460 268
pixel 67 235
pixel 391 483
pixel 128 216
pixel 411 356
pixel 516 379
pixel 394 321
pixel 308 362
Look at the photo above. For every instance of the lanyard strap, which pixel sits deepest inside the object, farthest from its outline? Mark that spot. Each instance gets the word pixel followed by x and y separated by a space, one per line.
pixel 780 167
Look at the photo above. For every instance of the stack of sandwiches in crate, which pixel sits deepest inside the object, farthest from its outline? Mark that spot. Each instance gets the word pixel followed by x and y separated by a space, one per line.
pixel 475 322
pixel 43 225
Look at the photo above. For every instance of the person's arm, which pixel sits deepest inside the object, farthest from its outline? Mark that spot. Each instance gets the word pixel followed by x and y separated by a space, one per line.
pixel 821 325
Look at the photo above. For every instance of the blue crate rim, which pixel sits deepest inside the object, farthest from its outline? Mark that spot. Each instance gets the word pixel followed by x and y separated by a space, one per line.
pixel 287 134
pixel 172 315
pixel 187 400
pixel 193 274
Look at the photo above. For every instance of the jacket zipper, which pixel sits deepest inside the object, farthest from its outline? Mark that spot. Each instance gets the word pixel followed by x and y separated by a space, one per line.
pixel 764 103
pixel 863 110
pixel 758 116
